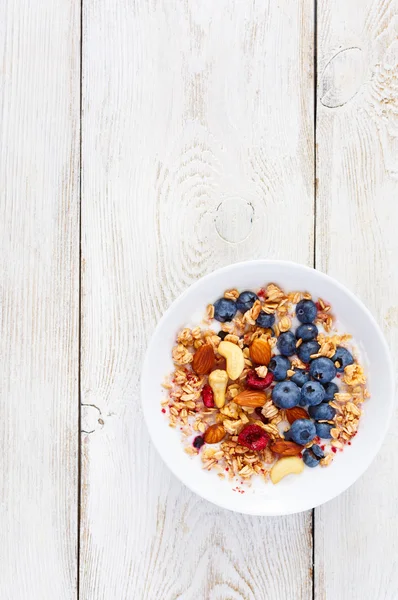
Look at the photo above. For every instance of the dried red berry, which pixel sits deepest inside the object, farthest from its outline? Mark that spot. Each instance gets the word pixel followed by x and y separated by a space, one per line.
pixel 253 437
pixel 259 383
pixel 208 396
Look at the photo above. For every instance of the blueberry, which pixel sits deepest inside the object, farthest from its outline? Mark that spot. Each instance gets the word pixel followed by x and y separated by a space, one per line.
pixel 331 389
pixel 343 357
pixel 305 350
pixel 322 412
pixel 312 393
pixel 312 456
pixel 310 459
pixel 198 442
pixel 287 435
pixel 302 431
pixel 286 343
pixel 264 320
pixel 322 369
pixel 307 332
pixel 246 301
pixel 286 394
pixel 306 311
pixel 317 450
pixel 300 377
pixel 323 430
pixel 224 310
pixel 222 334
pixel 279 365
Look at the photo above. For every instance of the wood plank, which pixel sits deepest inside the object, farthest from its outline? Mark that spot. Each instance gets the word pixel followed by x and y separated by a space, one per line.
pixel 39 274
pixel 197 151
pixel 357 169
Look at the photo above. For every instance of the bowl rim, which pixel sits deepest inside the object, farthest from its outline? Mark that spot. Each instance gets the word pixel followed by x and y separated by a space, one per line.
pixel 287 263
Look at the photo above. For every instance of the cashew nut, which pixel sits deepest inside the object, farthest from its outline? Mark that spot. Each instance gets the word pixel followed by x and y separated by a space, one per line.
pixel 234 357
pixel 286 466
pixel 218 382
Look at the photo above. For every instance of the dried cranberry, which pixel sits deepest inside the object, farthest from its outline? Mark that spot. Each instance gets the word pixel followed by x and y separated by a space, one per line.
pixel 260 414
pixel 253 437
pixel 259 383
pixel 198 442
pixel 208 396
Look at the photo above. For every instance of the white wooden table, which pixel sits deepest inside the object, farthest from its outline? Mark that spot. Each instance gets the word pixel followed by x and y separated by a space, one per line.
pixel 143 144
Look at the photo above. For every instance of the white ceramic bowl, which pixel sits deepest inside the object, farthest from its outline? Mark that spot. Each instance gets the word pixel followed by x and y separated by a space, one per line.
pixel 296 492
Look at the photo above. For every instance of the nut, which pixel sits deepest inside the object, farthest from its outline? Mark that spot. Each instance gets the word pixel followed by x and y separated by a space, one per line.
pixel 292 414
pixel 284 448
pixel 251 398
pixel 286 466
pixel 234 357
pixel 214 434
pixel 218 382
pixel 203 360
pixel 260 352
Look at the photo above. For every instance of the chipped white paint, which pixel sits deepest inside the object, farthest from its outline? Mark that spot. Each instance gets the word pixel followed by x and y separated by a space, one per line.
pixel 197 151
pixel 39 271
pixel 357 167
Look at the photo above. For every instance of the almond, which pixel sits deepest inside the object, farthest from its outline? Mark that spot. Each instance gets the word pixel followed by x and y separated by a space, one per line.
pixel 251 398
pixel 214 434
pixel 260 352
pixel 203 359
pixel 284 448
pixel 292 414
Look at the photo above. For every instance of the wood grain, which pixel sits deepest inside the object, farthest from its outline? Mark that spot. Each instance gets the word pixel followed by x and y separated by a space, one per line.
pixel 357 168
pixel 39 267
pixel 197 151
